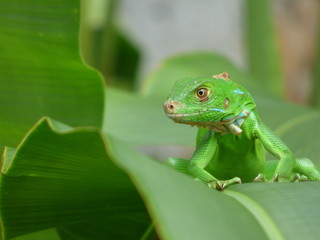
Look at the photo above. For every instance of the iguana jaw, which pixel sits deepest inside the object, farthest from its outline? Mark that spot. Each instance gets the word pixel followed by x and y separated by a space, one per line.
pixel 226 125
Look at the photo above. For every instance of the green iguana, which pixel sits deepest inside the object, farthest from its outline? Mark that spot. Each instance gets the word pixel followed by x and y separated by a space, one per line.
pixel 231 140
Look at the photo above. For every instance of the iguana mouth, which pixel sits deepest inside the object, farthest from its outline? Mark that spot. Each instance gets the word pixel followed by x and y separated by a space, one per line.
pixel 180 115
pixel 225 125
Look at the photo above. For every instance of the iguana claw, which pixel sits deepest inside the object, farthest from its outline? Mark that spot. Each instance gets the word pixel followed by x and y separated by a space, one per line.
pixel 275 178
pixel 222 184
pixel 260 178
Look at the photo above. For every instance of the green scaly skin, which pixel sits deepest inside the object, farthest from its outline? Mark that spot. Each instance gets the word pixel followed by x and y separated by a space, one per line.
pixel 231 140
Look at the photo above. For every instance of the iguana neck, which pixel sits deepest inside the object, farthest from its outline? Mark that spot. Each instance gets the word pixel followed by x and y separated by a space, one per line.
pixel 230 124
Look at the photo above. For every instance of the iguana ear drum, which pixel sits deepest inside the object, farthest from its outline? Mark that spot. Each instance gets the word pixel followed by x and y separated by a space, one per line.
pixel 226 103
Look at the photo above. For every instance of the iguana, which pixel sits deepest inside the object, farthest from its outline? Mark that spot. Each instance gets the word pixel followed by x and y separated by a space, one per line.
pixel 231 140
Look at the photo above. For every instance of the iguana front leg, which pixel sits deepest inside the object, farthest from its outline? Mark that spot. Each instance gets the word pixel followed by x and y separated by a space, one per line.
pixel 202 156
pixel 278 148
pixel 200 159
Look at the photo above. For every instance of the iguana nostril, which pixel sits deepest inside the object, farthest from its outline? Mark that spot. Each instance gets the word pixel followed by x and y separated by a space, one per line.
pixel 170 107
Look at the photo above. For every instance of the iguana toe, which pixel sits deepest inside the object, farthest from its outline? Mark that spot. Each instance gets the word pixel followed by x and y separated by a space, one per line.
pixel 222 184
pixel 299 178
pixel 275 178
pixel 260 178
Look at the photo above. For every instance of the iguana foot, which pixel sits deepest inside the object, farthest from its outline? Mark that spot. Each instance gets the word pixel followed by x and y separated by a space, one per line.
pixel 299 178
pixel 295 178
pixel 262 178
pixel 222 184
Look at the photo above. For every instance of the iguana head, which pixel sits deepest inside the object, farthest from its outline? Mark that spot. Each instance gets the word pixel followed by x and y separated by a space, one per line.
pixel 214 102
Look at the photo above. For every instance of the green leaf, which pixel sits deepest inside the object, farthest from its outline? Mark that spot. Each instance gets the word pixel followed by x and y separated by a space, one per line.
pixel 262 47
pixel 59 177
pixel 276 112
pixel 315 92
pixel 301 133
pixel 49 234
pixel 42 73
pixel 141 121
pixel 291 209
pixel 118 226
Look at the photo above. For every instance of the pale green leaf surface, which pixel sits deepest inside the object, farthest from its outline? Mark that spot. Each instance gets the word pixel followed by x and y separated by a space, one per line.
pixel 42 73
pixel 302 136
pixel 142 121
pixel 276 113
pixel 292 207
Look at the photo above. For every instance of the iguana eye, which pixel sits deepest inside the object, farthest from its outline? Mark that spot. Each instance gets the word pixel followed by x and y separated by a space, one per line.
pixel 202 94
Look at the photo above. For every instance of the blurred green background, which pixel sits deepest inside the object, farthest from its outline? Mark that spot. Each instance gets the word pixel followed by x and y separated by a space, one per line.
pixel 276 41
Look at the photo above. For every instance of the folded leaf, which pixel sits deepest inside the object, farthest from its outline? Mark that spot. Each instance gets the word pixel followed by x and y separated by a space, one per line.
pixel 58 177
